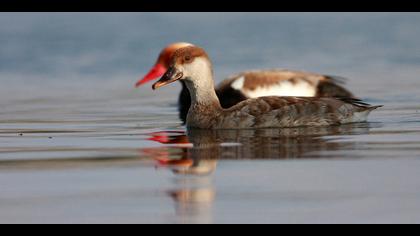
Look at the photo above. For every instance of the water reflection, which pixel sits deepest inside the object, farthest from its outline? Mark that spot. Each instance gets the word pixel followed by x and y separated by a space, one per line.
pixel 190 148
pixel 193 199
pixel 193 157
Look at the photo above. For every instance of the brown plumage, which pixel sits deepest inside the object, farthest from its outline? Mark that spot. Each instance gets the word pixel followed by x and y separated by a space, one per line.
pixel 253 84
pixel 193 66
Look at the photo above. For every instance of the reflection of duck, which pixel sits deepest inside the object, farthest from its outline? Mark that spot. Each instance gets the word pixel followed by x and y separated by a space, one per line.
pixel 186 165
pixel 207 145
pixel 194 195
pixel 193 192
pixel 198 167
pixel 169 137
pixel 192 65
pixel 270 143
pixel 180 164
pixel 252 84
pixel 193 203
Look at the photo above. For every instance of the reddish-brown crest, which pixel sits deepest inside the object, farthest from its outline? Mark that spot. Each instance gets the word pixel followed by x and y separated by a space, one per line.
pixel 187 55
pixel 168 52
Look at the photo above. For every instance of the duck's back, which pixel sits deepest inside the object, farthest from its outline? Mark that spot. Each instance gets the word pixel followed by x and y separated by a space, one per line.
pixel 276 82
pixel 282 112
pixel 260 83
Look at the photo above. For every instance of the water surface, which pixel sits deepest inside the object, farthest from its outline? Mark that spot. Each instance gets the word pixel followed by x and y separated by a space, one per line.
pixel 79 144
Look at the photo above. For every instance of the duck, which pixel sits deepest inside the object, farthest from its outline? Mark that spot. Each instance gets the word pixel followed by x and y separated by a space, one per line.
pixel 252 84
pixel 193 66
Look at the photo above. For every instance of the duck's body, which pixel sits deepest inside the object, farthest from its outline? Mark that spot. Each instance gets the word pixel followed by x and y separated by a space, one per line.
pixel 192 66
pixel 280 112
pixel 254 84
pixel 262 83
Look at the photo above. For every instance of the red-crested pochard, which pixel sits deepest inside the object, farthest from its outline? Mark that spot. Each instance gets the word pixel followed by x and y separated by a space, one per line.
pixel 192 65
pixel 253 84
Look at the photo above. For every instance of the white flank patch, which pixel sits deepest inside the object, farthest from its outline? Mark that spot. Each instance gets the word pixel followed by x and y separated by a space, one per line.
pixel 238 84
pixel 283 89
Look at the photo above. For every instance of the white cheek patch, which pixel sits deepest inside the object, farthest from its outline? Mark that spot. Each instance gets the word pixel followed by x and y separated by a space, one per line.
pixel 283 89
pixel 199 73
pixel 196 68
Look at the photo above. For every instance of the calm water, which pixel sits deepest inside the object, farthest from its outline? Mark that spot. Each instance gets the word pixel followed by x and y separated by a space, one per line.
pixel 79 144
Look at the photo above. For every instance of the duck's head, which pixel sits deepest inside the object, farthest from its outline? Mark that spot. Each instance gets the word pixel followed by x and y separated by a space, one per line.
pixel 162 63
pixel 189 63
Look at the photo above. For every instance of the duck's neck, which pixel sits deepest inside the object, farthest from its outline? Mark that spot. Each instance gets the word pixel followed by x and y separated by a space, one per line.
pixel 202 91
pixel 205 106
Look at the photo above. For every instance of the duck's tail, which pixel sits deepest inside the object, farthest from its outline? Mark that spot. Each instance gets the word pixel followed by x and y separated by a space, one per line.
pixel 363 111
pixel 359 103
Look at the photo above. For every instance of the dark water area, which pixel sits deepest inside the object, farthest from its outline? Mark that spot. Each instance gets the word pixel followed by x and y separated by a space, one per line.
pixel 79 144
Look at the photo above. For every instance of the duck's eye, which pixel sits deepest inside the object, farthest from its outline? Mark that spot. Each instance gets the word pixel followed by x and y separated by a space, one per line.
pixel 187 58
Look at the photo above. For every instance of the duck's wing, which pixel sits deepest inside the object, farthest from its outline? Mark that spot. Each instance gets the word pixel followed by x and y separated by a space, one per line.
pixel 267 112
pixel 282 82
